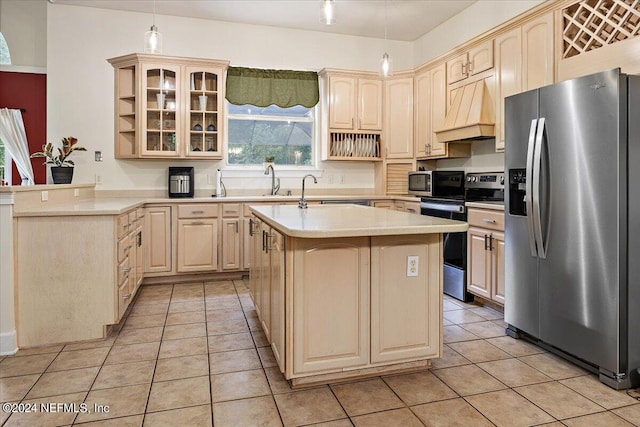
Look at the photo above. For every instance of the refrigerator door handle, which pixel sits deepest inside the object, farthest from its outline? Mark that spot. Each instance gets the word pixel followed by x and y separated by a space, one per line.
pixel 528 199
pixel 537 166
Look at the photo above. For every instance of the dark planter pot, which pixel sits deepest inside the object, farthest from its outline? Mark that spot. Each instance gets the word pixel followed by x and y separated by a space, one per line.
pixel 61 175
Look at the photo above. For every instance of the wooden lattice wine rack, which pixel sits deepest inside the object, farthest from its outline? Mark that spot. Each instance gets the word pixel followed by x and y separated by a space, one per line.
pixel 591 24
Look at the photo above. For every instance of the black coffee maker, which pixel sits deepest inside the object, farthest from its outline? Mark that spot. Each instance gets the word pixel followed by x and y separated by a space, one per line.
pixel 181 181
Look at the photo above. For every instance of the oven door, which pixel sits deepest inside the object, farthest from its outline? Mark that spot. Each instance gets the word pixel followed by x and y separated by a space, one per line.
pixel 455 244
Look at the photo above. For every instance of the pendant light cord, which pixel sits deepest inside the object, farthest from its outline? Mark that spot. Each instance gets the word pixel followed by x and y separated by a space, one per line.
pixel 385 21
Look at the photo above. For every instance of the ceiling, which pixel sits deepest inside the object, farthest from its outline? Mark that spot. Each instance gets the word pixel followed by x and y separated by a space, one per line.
pixel 407 20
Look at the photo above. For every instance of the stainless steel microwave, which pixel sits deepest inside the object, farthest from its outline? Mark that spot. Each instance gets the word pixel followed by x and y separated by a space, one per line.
pixel 436 183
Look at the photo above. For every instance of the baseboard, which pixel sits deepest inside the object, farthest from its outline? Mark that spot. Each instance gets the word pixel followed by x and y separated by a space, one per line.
pixel 8 343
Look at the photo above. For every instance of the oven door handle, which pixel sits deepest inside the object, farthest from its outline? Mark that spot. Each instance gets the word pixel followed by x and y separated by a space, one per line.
pixel 442 207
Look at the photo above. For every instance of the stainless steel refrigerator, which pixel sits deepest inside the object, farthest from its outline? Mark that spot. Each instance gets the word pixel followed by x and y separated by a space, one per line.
pixel 572 238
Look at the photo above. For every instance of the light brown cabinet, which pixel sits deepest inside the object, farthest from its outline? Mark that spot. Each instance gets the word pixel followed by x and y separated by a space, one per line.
pixel 523 61
pixel 130 248
pixel 398 118
pixel 168 107
pixel 231 243
pixel 197 238
pixel 157 240
pixel 355 103
pixel 477 59
pixel 430 109
pixel 330 307
pixel 485 254
pixel 405 310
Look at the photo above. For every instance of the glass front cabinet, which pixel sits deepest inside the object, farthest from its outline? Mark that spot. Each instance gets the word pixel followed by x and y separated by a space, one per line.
pixel 168 107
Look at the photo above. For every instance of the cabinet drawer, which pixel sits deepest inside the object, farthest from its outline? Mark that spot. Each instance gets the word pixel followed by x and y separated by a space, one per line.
pixel 493 220
pixel 124 246
pixel 123 271
pixel 124 298
pixel 231 210
pixel 198 211
pixel 123 225
pixel 140 213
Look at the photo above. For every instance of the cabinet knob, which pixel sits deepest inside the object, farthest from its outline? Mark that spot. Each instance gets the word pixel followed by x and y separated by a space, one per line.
pixel 197 212
pixel 488 220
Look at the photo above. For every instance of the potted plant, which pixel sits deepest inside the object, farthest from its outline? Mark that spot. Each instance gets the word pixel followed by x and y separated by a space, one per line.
pixel 62 167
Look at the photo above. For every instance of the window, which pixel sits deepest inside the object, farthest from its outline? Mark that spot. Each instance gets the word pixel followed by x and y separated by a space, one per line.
pixel 286 134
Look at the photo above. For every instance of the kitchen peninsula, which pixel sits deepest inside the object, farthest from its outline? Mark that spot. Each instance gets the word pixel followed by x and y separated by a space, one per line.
pixel 348 291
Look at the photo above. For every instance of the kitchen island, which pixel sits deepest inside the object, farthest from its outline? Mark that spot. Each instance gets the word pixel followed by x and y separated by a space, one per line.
pixel 348 291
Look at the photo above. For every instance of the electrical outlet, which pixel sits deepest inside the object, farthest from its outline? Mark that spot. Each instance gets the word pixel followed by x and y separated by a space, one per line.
pixel 44 196
pixel 76 192
pixel 341 179
pixel 98 179
pixel 412 266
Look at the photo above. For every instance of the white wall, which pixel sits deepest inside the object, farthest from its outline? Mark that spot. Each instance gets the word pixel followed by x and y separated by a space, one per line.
pixel 80 82
pixel 478 18
pixel 23 24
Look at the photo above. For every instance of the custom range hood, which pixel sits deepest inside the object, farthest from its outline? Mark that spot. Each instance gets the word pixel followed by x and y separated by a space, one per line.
pixel 470 116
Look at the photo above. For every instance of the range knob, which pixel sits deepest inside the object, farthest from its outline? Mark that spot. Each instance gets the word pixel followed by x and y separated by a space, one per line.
pixel 468 179
pixel 474 179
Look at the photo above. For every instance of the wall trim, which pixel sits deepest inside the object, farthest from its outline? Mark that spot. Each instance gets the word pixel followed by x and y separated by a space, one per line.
pixel 8 343
pixel 23 69
pixel 7 199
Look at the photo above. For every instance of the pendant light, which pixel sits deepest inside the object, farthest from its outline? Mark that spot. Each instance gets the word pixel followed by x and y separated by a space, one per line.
pixel 385 61
pixel 328 12
pixel 153 38
pixel 5 55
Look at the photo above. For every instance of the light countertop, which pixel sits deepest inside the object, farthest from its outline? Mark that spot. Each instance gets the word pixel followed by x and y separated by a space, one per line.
pixel 119 205
pixel 350 221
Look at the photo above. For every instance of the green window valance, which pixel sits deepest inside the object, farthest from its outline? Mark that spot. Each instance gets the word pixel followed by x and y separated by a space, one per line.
pixel 262 88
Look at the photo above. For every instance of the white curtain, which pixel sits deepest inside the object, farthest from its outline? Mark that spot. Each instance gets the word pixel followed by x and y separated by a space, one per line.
pixel 14 138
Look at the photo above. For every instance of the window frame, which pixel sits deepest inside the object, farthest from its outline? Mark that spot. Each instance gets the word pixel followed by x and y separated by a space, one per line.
pixel 7 166
pixel 256 170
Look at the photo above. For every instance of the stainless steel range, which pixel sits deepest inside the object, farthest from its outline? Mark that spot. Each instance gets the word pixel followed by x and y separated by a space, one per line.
pixel 485 187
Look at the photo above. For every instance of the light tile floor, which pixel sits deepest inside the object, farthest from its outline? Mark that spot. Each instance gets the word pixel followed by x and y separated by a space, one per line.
pixel 194 355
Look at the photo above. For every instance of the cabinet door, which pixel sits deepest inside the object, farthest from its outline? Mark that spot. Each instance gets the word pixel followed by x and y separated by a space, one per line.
pixel 438 110
pixel 481 58
pixel 497 259
pixel 231 244
pixel 369 104
pixel 405 310
pixel 537 52
pixel 478 263
pixel 204 104
pixel 330 305
pixel 508 76
pixel 246 244
pixel 197 245
pixel 264 291
pixel 161 132
pixel 255 270
pixel 277 274
pixel 139 248
pixel 157 239
pixel 342 102
pixel 422 113
pixel 398 121
pixel 457 68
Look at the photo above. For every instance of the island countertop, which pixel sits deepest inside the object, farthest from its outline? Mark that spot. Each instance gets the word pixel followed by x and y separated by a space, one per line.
pixel 325 221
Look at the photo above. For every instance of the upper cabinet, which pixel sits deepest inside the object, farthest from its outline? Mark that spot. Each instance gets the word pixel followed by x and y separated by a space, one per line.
pixel 470 63
pixel 523 61
pixel 168 107
pixel 430 108
pixel 355 116
pixel 398 117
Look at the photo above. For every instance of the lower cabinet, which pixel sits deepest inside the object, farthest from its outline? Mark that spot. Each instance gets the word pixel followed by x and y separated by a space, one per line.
pixel 330 303
pixel 266 283
pixel 197 245
pixel 349 303
pixel 485 254
pixel 405 314
pixel 157 237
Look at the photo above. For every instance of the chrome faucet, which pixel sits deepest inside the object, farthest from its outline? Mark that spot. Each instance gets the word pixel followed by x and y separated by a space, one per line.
pixel 302 204
pixel 275 182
